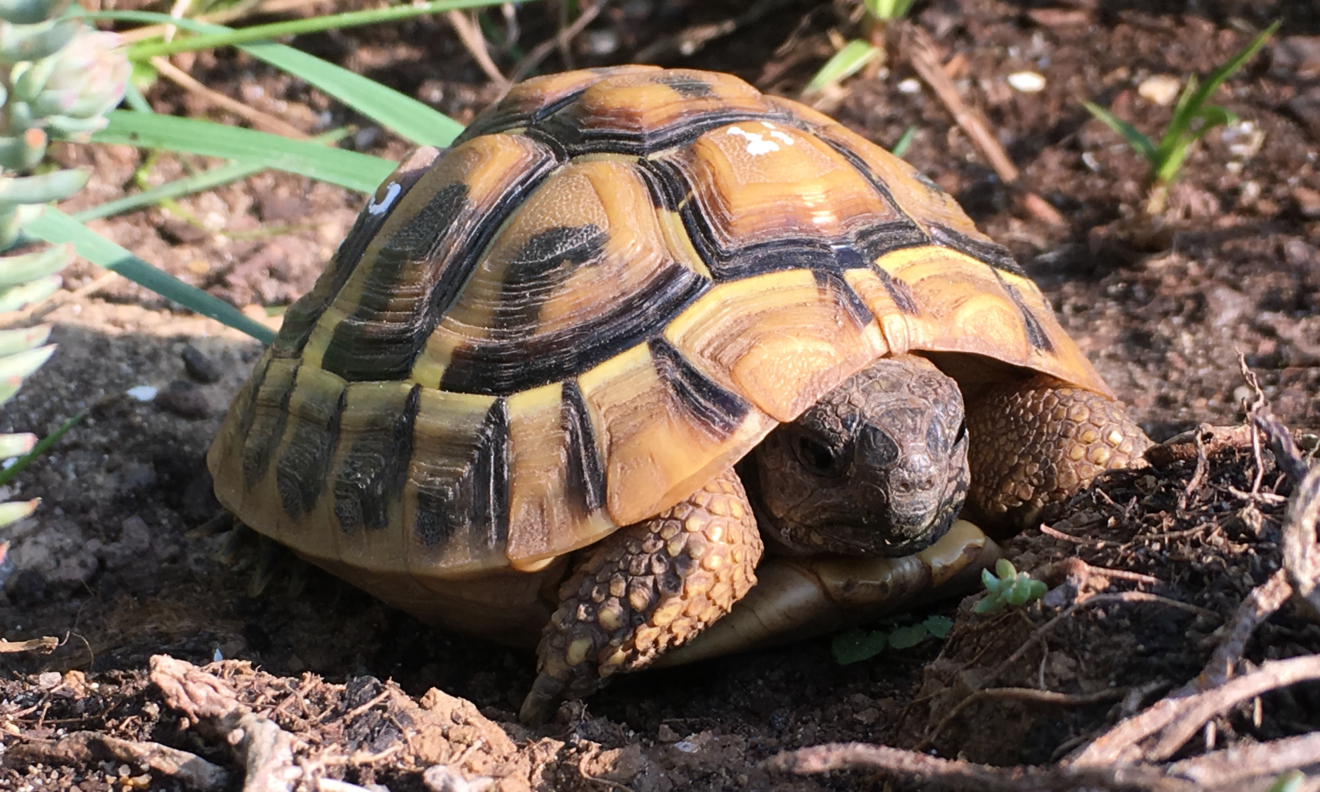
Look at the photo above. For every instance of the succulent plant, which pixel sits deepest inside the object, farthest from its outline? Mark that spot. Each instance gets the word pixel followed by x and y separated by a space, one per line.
pixel 1007 586
pixel 58 77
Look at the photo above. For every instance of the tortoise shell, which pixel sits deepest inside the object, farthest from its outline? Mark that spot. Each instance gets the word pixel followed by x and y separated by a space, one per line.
pixel 611 287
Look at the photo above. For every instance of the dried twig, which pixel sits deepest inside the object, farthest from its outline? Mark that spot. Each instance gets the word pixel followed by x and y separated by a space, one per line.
pixel 470 35
pixel 1301 553
pixel 539 53
pixel 936 773
pixel 265 749
pixel 84 747
pixel 1256 607
pixel 1250 767
pixel 925 58
pixel 1251 760
pixel 689 40
pixel 1173 720
pixel 1039 635
pixel 264 120
pixel 44 644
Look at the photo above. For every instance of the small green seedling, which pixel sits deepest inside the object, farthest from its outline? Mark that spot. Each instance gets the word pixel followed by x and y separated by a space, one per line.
pixel 858 53
pixel 854 646
pixel 1007 586
pixel 1192 119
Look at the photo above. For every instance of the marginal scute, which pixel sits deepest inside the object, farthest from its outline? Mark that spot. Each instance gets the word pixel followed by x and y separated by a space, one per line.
pixel 557 479
pixel 302 469
pixel 777 339
pixel 657 446
pixel 968 307
pixel 456 497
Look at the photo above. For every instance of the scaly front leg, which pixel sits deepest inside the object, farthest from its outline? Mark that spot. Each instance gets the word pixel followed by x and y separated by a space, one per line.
pixel 645 589
pixel 1036 443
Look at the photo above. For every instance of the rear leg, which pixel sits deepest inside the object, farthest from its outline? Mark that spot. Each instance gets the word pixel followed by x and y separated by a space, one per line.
pixel 645 589
pixel 1036 443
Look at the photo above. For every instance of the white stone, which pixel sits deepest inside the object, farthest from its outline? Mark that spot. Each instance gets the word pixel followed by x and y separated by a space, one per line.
pixel 1026 82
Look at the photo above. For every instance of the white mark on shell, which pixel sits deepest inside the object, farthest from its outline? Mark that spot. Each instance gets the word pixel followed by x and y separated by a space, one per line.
pixel 392 191
pixel 756 142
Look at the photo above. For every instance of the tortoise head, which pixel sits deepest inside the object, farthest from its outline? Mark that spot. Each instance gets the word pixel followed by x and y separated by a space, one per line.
pixel 878 467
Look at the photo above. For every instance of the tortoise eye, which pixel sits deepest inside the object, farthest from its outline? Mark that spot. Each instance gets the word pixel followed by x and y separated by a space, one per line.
pixel 815 456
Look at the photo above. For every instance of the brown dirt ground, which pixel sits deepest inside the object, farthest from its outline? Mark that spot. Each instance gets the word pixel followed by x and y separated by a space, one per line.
pixel 107 564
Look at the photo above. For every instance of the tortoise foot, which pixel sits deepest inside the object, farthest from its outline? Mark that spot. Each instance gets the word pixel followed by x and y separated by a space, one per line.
pixel 1034 444
pixel 645 589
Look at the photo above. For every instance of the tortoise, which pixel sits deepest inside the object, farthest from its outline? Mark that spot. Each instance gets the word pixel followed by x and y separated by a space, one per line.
pixel 637 339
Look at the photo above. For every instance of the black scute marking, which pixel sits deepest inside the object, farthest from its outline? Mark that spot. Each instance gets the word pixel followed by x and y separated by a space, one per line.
pixel 899 292
pixel 259 450
pixel 862 246
pixel 374 471
pixel 508 115
pixel 580 136
pixel 302 316
pixel 375 342
pixel 501 367
pixel 886 237
pixel 475 497
pixel 709 404
pixel 248 414
pixel 837 290
pixel 1036 334
pixel 304 467
pixel 993 254
pixel 687 86
pixel 584 472
pixel 538 268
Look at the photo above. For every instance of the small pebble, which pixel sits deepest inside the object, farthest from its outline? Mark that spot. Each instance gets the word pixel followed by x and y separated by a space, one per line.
pixel 1026 81
pixel 1160 89
pixel 910 86
pixel 143 393
pixel 200 366
pixel 184 400
pixel 1243 138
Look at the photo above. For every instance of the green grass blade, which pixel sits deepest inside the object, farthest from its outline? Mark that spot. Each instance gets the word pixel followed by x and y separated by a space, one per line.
pixel 1135 139
pixel 40 448
pixel 845 63
pixel 55 226
pixel 200 182
pixel 888 9
pixel 349 169
pixel 904 141
pixel 398 112
pixel 298 27
pixel 1218 76
pixel 206 180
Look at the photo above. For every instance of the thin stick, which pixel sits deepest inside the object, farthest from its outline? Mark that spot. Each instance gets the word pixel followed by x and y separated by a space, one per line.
pixel 44 644
pixel 1181 718
pixel 476 46
pixel 533 59
pixel 925 58
pixel 258 118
